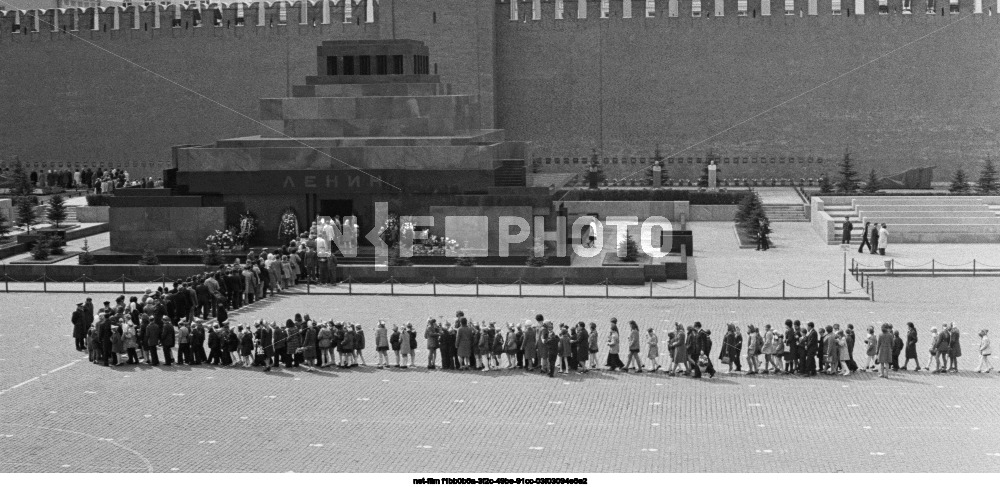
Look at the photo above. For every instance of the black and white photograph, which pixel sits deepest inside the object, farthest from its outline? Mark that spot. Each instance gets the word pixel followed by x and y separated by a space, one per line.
pixel 499 242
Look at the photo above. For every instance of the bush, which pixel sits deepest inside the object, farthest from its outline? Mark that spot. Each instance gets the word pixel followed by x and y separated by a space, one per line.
pixel 211 256
pixel 536 261
pixel 98 199
pixel 86 258
pixel 694 197
pixel 149 258
pixel 57 246
pixel 41 250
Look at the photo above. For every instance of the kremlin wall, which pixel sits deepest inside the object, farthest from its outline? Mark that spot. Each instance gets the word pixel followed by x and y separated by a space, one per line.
pixel 900 90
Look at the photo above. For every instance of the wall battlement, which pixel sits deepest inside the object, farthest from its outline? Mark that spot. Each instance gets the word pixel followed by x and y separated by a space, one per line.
pixel 177 19
pixel 679 11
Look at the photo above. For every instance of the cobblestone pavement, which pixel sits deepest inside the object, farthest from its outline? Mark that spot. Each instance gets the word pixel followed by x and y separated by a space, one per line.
pixel 63 414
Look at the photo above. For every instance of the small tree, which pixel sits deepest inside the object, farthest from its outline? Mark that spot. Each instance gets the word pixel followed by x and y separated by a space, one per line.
pixel 57 246
pixel 848 175
pixel 4 225
pixel 41 250
pixel 631 249
pixel 825 186
pixel 988 178
pixel 20 182
pixel 25 214
pixel 873 184
pixel 149 257
pixel 211 255
pixel 56 211
pixel 959 183
pixel 86 258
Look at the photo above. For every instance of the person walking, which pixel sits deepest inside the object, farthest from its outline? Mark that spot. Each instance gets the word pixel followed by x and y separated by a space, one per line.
pixel 382 345
pixel 652 349
pixel 985 350
pixel 845 238
pixel 395 343
pixel 152 336
pixel 633 347
pixel 582 346
pixel 911 346
pixel 405 347
pixel 678 350
pixel 883 239
pixel 131 343
pixel 613 362
pixel 592 345
pixel 865 241
pixel 552 349
pixel 432 334
pixel 956 347
pixel 754 347
pixel 897 348
pixel 528 346
pixel 870 351
pixel 874 238
pixel 884 344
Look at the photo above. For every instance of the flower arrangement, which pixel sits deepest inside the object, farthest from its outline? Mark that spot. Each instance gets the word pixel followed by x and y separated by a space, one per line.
pixel 247 229
pixel 223 239
pixel 288 228
pixel 434 245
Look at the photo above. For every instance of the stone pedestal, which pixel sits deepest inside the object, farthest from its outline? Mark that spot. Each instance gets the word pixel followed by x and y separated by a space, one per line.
pixel 657 176
pixel 713 176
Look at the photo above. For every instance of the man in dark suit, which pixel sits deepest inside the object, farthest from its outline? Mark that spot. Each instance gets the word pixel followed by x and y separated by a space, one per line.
pixel 812 348
pixel 79 328
pixel 280 340
pixel 104 338
pixel 705 345
pixel 848 228
pixel 152 340
pixel 582 344
pixel 197 342
pixel 204 301
pixel 552 348
pixel 167 341
pixel 88 312
pixel 874 238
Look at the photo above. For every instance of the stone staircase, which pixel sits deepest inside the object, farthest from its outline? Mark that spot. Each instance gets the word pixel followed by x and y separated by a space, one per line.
pixel 919 219
pixel 786 213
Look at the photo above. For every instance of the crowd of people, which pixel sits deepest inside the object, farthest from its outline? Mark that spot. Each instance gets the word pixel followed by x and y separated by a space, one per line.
pixel 101 181
pixel 139 330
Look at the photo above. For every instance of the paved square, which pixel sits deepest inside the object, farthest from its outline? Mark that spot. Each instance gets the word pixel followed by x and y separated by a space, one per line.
pixel 61 413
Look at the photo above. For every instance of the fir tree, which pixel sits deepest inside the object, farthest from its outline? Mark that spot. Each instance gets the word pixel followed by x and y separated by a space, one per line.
pixel 25 214
pixel 873 184
pixel 825 186
pixel 56 211
pixel 988 178
pixel 848 175
pixel 86 258
pixel 20 182
pixel 631 249
pixel 41 249
pixel 959 183
pixel 750 213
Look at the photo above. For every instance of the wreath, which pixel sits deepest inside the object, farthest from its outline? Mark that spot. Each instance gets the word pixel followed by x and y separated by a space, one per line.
pixel 288 228
pixel 247 228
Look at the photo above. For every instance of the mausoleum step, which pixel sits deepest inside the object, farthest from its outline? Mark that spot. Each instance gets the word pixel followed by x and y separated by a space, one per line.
pixel 372 89
pixel 360 79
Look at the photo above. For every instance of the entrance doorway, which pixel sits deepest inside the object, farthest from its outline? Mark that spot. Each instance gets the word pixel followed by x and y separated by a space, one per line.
pixel 336 208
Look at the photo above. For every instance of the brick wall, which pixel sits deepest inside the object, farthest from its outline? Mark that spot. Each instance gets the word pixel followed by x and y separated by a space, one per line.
pixel 679 81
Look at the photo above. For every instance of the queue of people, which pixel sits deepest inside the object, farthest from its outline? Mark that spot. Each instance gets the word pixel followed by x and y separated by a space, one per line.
pixel 138 331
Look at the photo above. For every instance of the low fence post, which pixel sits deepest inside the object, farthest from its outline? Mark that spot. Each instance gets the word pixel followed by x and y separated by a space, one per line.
pixel 739 288
pixel 650 288
pixel 932 267
pixel 123 283
pixel 84 283
pixel 782 289
pixel 163 280
pixel 695 289
pixel 477 286
pixel 6 283
pixel 564 286
pixel 973 267
pixel 45 281
pixel 519 284
pixel 873 291
pixel 308 291
pixel 434 284
pixel 350 285
pixel 827 289
pixel 607 288
pixel 392 286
